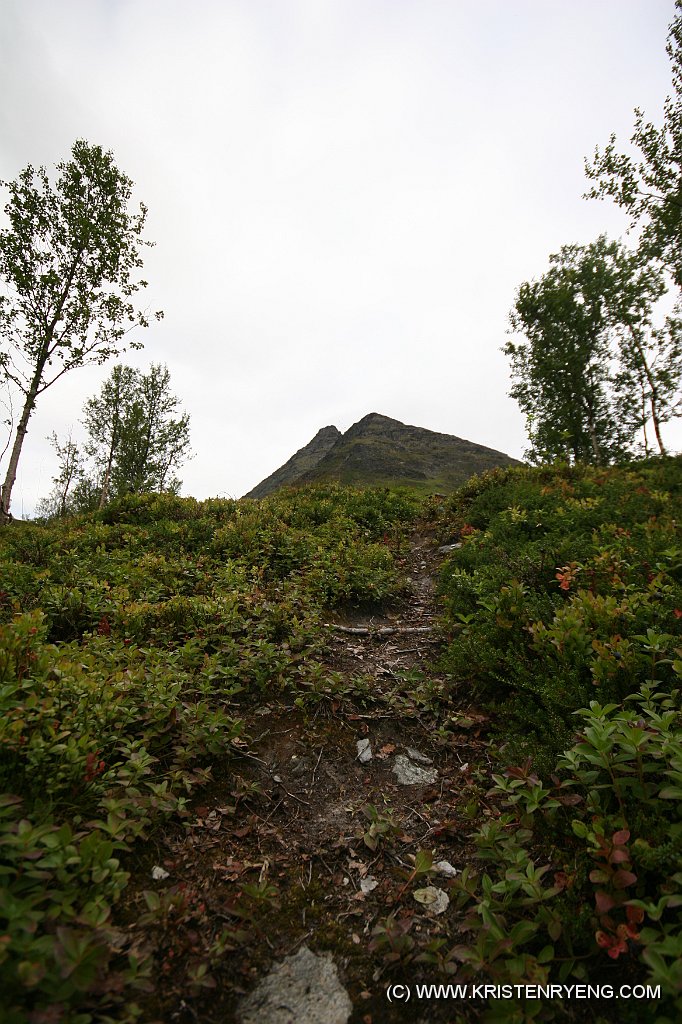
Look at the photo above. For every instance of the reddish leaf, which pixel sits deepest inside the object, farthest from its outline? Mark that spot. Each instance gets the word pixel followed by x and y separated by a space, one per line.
pixel 603 901
pixel 621 838
pixel 635 915
pixel 622 879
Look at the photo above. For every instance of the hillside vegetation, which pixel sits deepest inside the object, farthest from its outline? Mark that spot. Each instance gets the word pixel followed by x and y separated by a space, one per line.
pixel 569 590
pixel 136 641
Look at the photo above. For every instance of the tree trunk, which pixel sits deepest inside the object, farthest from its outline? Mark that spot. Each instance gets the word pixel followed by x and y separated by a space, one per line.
pixel 112 447
pixel 105 486
pixel 22 428
pixel 592 433
pixel 644 418
pixel 654 392
pixel 107 473
pixel 593 441
pixel 657 425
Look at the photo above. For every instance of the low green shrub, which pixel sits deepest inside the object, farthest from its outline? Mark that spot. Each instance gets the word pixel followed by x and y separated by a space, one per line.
pixel 129 639
pixel 565 601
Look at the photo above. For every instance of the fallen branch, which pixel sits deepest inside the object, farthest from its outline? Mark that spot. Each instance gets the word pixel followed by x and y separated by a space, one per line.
pixel 380 632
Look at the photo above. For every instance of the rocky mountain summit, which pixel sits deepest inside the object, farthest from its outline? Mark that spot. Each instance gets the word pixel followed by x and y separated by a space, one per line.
pixel 300 463
pixel 381 452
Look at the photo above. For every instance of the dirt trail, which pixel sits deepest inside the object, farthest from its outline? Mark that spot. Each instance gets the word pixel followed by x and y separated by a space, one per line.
pixel 302 843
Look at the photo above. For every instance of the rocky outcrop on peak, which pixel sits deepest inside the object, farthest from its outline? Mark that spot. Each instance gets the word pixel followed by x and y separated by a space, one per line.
pixel 303 461
pixel 378 451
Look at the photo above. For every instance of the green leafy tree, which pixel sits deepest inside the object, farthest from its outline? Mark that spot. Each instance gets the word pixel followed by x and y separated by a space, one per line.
pixel 68 260
pixel 650 369
pixel 648 184
pixel 586 361
pixel 70 472
pixel 137 435
pixel 104 417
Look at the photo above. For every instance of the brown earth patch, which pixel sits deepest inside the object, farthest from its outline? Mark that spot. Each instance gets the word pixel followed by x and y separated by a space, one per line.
pixel 275 851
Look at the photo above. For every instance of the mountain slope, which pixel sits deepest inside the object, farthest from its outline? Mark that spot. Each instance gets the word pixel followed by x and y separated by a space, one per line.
pixel 379 451
pixel 304 459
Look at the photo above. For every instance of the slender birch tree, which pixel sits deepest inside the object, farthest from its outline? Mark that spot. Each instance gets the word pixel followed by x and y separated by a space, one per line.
pixel 592 369
pixel 137 435
pixel 68 262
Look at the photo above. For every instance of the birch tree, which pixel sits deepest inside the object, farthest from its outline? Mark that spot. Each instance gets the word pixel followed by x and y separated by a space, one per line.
pixel 592 369
pixel 68 261
pixel 137 435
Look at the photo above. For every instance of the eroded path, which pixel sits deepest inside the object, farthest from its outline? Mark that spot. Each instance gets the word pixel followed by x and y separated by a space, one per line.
pixel 308 840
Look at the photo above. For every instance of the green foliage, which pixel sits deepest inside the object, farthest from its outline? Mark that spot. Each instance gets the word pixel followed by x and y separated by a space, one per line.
pixel 68 259
pixel 566 596
pixel 134 442
pixel 601 878
pixel 129 640
pixel 135 435
pixel 560 573
pixel 592 370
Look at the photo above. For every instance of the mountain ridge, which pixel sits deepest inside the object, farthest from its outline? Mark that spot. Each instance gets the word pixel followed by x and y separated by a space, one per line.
pixel 380 451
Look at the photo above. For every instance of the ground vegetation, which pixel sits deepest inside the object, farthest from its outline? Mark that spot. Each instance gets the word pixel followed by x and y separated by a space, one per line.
pixel 187 688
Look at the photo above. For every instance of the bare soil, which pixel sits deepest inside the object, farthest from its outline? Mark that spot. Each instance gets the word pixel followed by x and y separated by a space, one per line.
pixel 274 852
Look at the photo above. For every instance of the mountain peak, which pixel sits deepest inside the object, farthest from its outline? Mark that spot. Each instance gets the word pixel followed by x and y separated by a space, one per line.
pixel 299 463
pixel 380 451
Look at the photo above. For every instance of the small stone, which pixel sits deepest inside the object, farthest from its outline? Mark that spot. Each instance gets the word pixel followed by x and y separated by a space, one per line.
pixel 447 548
pixel 364 751
pixel 416 755
pixel 303 989
pixel 410 774
pixel 434 900
pixel 159 874
pixel 444 867
pixel 368 884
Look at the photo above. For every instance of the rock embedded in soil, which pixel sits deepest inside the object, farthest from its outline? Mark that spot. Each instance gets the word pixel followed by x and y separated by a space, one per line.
pixel 410 774
pixel 303 989
pixel 364 751
pixel 434 900
pixel 416 755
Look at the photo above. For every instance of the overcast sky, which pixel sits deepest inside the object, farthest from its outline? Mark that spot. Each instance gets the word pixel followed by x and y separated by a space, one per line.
pixel 344 196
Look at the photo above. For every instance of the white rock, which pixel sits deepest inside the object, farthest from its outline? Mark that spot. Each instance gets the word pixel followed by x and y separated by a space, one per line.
pixel 364 751
pixel 444 867
pixel 416 755
pixel 303 989
pixel 434 900
pixel 410 774
pixel 368 884
pixel 159 874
